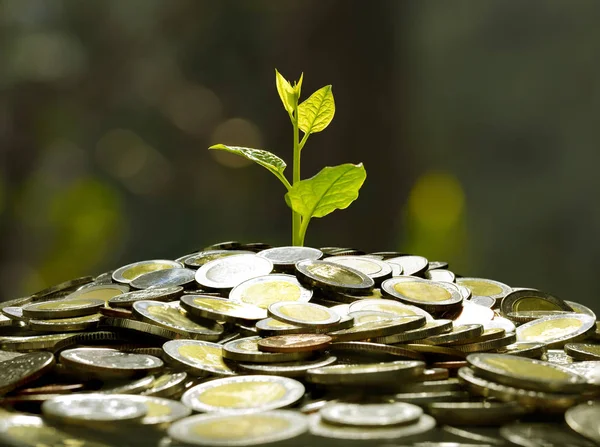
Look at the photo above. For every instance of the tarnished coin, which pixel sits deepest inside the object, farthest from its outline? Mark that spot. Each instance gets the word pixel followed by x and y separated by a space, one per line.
pixel 24 369
pixel 458 334
pixel 284 258
pixel 126 300
pixel 198 357
pixel 485 287
pixel 222 309
pixel 409 265
pixel 263 291
pixel 295 343
pixel 526 373
pixel 374 328
pixel 226 273
pixel 542 434
pixel 94 408
pixel 107 362
pixel 72 324
pixel 555 331
pixel 319 427
pixel 532 300
pixel 583 351
pixel 164 278
pixel 197 260
pixel 303 314
pixel 296 369
pixel 128 273
pixel 327 275
pixel 440 275
pixel 242 395
pixel 429 295
pixel 430 328
pixel 584 420
pixel 64 308
pixel 239 430
pixel 475 413
pixel 366 374
pixel 389 306
pixel 370 415
pixel 376 269
pixel 247 350
pixel 173 317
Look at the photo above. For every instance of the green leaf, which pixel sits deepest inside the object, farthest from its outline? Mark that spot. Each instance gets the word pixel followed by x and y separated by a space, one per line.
pixel 287 93
pixel 316 112
pixel 266 159
pixel 332 188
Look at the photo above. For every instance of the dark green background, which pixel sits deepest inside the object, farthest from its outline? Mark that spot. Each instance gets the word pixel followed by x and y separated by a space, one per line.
pixel 477 122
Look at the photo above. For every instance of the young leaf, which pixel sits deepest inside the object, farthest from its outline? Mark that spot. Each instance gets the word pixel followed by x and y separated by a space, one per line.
pixel 286 92
pixel 332 188
pixel 266 159
pixel 316 112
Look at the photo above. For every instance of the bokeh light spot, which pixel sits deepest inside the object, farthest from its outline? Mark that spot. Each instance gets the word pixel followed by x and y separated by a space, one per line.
pixel 235 132
pixel 193 109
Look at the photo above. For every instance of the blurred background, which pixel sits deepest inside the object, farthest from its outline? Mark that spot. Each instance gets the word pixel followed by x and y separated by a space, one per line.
pixel 477 122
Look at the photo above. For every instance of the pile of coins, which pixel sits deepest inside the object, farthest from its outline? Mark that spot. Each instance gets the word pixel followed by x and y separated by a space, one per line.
pixel 247 344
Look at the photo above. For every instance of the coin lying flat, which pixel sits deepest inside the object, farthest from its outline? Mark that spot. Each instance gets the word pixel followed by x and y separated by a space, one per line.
pixel 389 306
pixel 555 331
pixel 173 317
pixel 247 350
pixel 532 300
pixel 246 394
pixel 303 314
pixel 71 324
pixel 222 309
pixel 161 411
pixel 226 273
pixel 409 265
pixel 330 276
pixel 24 369
pixel 538 434
pixel 366 374
pixel 375 269
pixel 109 362
pixel 524 349
pixel 475 413
pixel 485 287
pixel 319 427
pixel 164 278
pixel 378 328
pixel 197 260
pixel 140 328
pixel 198 357
pixel 284 258
pixel 94 408
pixel 583 419
pixel 430 328
pixel 64 308
pixel 126 300
pixel 263 291
pixel 429 295
pixel 458 334
pixel 239 430
pixel 270 327
pixel 128 273
pixel 371 415
pixel 295 343
pixel 583 351
pixel 361 347
pixel 440 275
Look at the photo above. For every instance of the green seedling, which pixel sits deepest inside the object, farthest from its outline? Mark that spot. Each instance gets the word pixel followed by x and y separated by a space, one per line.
pixel 333 187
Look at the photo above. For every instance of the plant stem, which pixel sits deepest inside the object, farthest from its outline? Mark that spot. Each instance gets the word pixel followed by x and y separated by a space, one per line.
pixel 303 227
pixel 296 218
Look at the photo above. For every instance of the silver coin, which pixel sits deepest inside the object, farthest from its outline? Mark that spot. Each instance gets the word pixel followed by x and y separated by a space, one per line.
pixel 226 273
pixel 239 430
pixel 197 260
pixel 440 275
pixel 371 415
pixel 557 330
pixel 284 258
pixel 164 278
pixel 265 290
pixel 222 309
pixel 584 420
pixel 109 361
pixel 126 300
pixel 410 265
pixel 374 268
pixel 161 411
pixel 329 276
pixel 485 287
pixel 23 369
pixel 241 395
pixel 129 272
pixel 198 357
pixel 63 308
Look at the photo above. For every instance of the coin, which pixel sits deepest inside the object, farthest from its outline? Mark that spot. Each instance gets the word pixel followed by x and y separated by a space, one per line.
pixel 173 317
pixel 590 370
pixel 12 313
pixel 166 384
pixel 303 314
pixel 65 324
pixel 222 309
pixel 128 273
pixel 294 343
pixel 247 350
pixel 140 327
pixel 532 300
pixel 295 369
pixel 350 298
pixel 435 352
pixel 239 430
pixel 485 301
pixel 370 415
pixel 126 300
pixel 580 308
pixel 164 278
pixel 225 245
pixel 389 306
pixel 524 349
pixel 198 357
pixel 485 287
pixel 330 276
pixel 65 308
pixel 440 275
pixel 475 413
pixel 583 419
pixel 226 273
pixel 429 295
pixel 425 398
pixel 430 328
pixel 555 331
pixel 284 259
pixel 319 427
pixel 263 291
pixel 477 434
pixel 377 328
pixel 538 434
pixel 458 334
pixel 486 335
pixel 105 362
pixel 94 408
pixel 489 345
pixel 197 260
pixel 430 386
pixel 583 351
pixel 242 395
pixel 557 356
pixel 368 374
pixel 32 342
pixel 410 265
pixel 526 373
pixel 375 269
pixel 24 369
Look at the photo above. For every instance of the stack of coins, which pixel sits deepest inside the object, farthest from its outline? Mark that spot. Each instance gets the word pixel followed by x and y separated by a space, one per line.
pixel 247 344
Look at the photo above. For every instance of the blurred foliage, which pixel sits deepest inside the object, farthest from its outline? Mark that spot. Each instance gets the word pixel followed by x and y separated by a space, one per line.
pixel 476 122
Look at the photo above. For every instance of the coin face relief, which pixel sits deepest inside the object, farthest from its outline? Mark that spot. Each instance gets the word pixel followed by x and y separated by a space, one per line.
pixel 263 291
pixel 128 273
pixel 164 278
pixel 226 273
